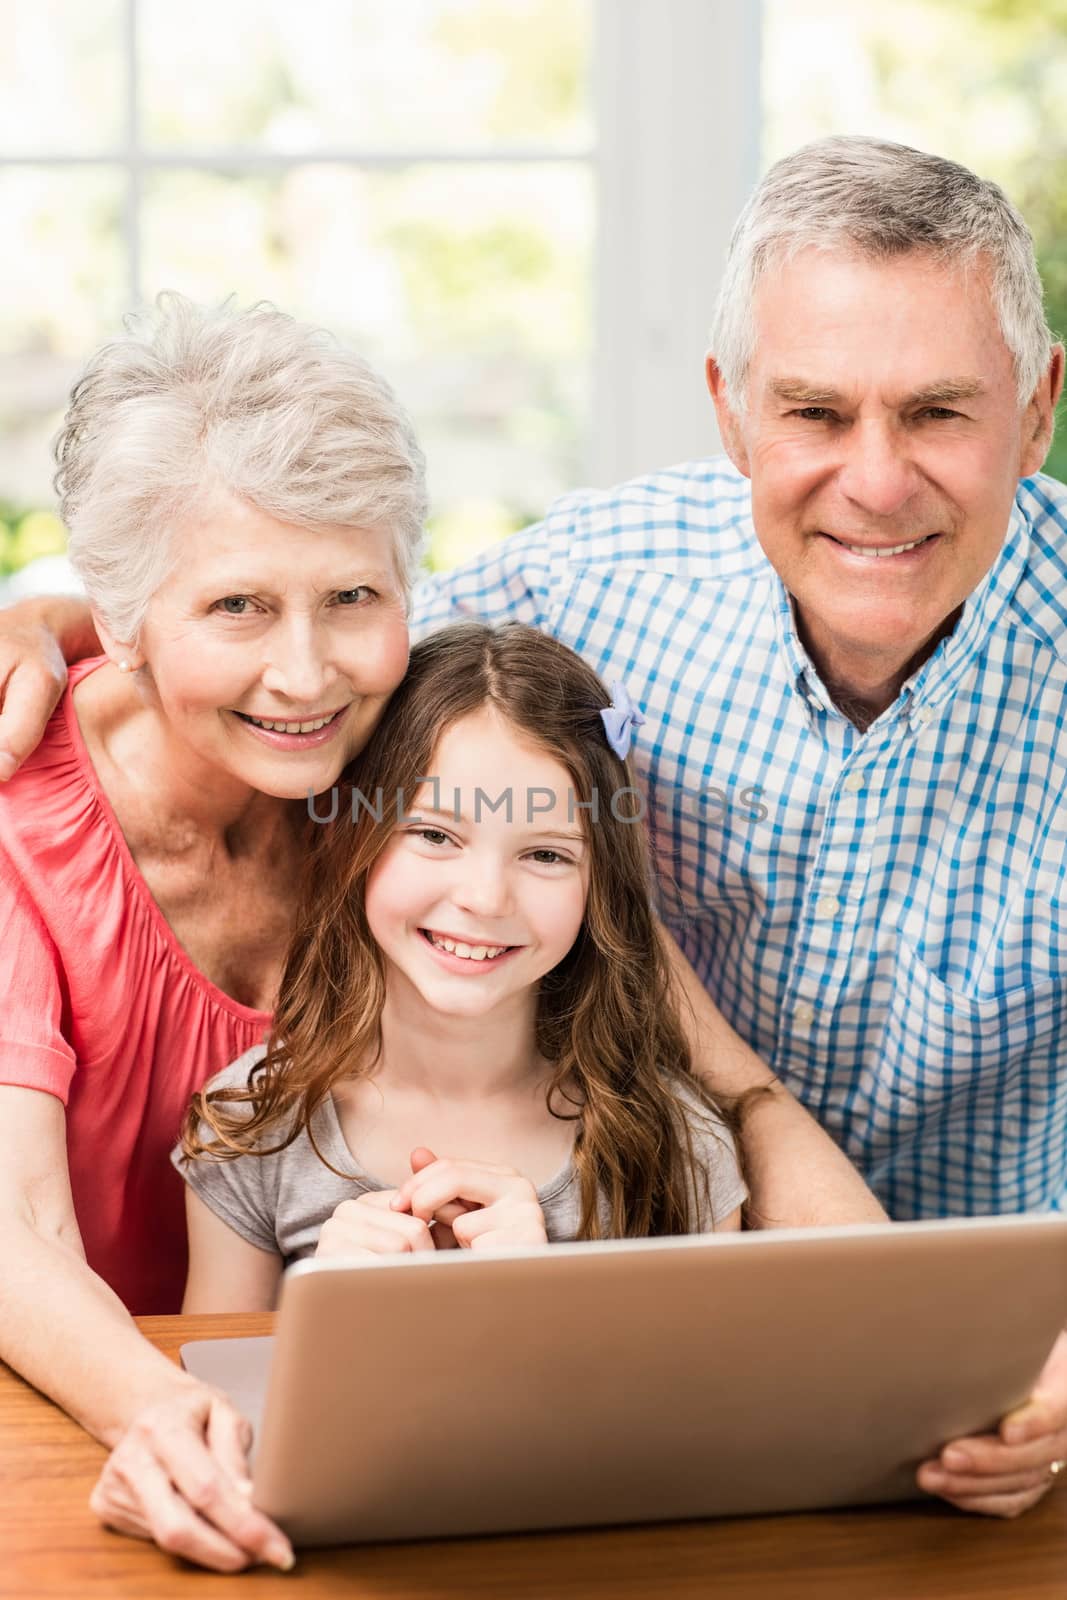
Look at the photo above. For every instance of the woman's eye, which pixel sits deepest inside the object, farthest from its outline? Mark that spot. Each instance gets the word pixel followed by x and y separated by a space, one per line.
pixel 235 605
pixel 352 597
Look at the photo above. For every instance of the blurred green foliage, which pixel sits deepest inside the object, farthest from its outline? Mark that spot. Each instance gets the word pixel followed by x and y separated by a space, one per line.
pixel 27 533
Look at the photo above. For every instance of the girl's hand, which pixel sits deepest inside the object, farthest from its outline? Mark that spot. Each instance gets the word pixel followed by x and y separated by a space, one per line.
pixel 484 1205
pixel 370 1227
pixel 179 1476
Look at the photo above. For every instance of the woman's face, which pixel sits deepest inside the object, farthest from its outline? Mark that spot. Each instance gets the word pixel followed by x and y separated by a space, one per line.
pixel 263 623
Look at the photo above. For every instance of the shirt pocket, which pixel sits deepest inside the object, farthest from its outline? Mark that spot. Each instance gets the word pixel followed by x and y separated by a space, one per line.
pixel 986 1066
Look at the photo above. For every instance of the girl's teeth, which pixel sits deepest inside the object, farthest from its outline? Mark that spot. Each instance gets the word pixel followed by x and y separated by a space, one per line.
pixel 469 952
pixel 292 727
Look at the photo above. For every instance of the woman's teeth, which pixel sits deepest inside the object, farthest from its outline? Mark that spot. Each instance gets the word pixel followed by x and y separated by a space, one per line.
pixel 291 727
pixel 469 952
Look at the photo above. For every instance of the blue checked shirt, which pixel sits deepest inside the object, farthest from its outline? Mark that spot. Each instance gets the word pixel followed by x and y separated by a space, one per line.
pixel 879 914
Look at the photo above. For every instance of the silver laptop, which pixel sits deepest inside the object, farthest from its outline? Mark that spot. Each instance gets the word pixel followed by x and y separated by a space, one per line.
pixel 634 1381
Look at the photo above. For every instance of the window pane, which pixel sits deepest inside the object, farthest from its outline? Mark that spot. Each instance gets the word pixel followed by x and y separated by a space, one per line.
pixel 62 82
pixel 468 286
pixel 61 293
pixel 979 81
pixel 374 74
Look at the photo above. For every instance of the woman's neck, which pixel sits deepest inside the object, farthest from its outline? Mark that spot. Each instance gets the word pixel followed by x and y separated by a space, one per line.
pixel 448 1057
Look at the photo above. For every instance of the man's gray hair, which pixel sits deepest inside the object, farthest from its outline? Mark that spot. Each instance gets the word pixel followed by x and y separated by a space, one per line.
pixel 252 403
pixel 880 200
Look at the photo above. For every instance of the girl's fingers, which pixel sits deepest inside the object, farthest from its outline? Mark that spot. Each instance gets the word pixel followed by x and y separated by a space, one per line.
pixel 369 1228
pixel 505 1224
pixel 445 1181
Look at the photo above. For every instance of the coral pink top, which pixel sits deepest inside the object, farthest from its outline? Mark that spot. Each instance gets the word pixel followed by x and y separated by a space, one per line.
pixel 100 1006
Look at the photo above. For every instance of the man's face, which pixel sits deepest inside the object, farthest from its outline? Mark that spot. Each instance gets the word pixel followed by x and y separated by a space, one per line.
pixel 881 413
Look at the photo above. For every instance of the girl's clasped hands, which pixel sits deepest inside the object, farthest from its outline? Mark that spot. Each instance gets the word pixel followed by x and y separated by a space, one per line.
pixel 444 1205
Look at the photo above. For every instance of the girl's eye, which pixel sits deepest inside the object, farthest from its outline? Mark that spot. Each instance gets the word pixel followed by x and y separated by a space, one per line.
pixel 433 836
pixel 549 858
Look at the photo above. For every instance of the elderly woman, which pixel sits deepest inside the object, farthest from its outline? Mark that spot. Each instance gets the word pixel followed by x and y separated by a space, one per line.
pixel 245 502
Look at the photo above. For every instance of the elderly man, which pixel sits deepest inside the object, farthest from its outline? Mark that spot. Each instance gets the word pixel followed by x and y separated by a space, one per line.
pixel 849 645
pixel 849 642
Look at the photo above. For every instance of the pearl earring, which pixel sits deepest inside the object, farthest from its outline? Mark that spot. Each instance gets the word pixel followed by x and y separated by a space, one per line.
pixel 124 666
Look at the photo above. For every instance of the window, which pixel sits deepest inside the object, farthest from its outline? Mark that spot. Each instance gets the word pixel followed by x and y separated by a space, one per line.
pixel 979 81
pixel 515 208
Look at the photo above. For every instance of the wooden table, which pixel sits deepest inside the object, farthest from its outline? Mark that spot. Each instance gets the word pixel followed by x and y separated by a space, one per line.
pixel 51 1546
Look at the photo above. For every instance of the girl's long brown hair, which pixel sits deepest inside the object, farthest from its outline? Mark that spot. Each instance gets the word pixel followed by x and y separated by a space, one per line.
pixel 606 1015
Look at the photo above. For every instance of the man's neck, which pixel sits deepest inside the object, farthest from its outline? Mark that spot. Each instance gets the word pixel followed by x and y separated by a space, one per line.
pixel 864 684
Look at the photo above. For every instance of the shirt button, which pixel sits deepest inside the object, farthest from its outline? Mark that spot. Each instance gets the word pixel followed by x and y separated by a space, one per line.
pixel 854 782
pixel 804 1013
pixel 827 905
pixel 925 714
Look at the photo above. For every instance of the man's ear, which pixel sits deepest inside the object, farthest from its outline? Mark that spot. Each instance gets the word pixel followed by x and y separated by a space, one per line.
pixel 729 423
pixel 116 652
pixel 1040 416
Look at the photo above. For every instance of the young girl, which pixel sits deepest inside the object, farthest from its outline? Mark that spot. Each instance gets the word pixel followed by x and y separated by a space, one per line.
pixel 476 1043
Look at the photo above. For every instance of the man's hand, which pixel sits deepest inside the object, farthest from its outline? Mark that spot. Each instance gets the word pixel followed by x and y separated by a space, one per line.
pixel 33 676
pixel 484 1206
pixel 179 1475
pixel 1004 1474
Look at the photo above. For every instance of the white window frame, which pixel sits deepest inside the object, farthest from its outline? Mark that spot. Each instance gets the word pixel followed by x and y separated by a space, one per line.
pixel 678 117
pixel 677 114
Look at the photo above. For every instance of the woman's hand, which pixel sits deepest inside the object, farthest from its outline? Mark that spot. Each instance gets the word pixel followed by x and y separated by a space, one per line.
pixel 369 1226
pixel 179 1476
pixel 484 1206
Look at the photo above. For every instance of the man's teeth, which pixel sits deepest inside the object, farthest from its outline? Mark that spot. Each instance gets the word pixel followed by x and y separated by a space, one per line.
pixel 469 952
pixel 894 550
pixel 292 727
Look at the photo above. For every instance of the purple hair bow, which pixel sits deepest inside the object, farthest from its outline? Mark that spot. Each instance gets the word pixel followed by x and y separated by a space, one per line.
pixel 620 719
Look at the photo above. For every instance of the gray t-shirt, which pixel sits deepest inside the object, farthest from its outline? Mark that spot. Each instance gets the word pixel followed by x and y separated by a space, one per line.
pixel 280 1202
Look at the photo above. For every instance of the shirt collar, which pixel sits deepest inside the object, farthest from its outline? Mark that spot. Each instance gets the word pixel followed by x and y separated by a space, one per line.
pixel 936 680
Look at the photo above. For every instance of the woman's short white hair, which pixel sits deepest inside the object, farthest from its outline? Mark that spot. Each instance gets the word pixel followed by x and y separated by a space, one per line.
pixel 880 200
pixel 197 400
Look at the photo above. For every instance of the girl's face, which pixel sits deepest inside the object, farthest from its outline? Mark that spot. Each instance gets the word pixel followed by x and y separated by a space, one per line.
pixel 472 913
pixel 261 622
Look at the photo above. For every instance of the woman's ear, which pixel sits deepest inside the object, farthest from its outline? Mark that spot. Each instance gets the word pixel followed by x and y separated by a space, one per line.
pixel 729 423
pixel 127 657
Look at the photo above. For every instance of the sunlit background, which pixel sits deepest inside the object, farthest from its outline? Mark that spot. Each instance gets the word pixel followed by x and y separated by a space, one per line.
pixel 515 208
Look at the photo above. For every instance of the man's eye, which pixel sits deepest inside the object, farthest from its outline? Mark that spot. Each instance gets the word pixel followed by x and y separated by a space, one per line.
pixel 815 414
pixel 352 597
pixel 235 605
pixel 939 413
